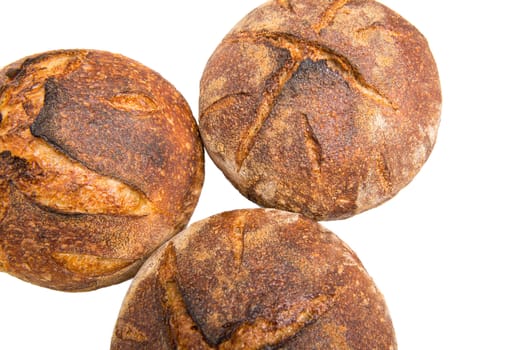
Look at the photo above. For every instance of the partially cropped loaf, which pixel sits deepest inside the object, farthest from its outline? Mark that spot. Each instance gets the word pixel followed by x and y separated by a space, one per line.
pixel 100 163
pixel 254 279
pixel 327 108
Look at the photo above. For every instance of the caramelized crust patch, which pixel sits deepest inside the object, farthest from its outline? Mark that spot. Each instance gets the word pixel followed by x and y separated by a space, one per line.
pixel 90 265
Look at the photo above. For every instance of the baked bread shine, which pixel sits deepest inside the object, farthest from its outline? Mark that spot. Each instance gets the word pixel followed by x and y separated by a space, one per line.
pixel 254 279
pixel 323 107
pixel 100 163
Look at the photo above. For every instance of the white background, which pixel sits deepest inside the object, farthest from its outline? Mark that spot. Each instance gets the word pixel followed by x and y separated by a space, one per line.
pixel 446 252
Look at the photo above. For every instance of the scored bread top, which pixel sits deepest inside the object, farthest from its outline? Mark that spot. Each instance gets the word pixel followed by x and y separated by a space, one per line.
pixel 101 162
pixel 254 279
pixel 327 108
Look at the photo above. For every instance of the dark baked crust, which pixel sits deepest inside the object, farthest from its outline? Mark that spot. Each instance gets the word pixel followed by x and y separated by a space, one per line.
pixel 327 108
pixel 254 279
pixel 100 163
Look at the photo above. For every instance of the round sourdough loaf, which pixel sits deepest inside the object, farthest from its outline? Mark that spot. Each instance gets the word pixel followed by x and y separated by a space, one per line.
pixel 322 107
pixel 254 279
pixel 100 163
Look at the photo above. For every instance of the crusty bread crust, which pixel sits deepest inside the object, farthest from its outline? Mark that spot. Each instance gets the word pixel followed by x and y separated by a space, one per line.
pixel 327 108
pixel 100 163
pixel 254 279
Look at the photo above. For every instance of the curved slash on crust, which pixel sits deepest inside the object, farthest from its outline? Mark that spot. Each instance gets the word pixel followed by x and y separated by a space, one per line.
pixel 237 237
pixel 44 187
pixel 185 332
pixel 355 79
pixel 329 15
pixel 90 265
pixel 313 147
pixel 268 334
pixel 274 87
pixel 376 26
pixel 224 102
pixel 262 333
pixel 299 50
pixel 384 172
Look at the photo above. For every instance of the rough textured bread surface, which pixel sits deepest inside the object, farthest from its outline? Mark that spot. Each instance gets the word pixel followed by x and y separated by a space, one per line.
pixel 100 163
pixel 254 279
pixel 327 108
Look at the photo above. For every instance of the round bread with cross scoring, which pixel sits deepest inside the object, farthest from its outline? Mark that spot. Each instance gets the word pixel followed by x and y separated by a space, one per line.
pixel 254 279
pixel 325 107
pixel 100 163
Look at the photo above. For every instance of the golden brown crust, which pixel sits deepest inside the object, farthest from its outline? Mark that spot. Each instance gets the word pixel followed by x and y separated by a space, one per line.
pixel 327 108
pixel 101 162
pixel 254 279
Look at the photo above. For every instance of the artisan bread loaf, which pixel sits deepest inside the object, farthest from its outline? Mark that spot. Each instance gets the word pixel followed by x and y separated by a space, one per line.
pixel 254 279
pixel 325 107
pixel 100 163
